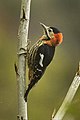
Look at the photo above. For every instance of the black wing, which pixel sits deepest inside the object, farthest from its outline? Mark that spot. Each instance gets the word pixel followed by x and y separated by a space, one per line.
pixel 40 60
pixel 44 55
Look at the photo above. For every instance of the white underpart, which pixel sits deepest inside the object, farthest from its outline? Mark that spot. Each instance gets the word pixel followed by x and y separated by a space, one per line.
pixel 41 60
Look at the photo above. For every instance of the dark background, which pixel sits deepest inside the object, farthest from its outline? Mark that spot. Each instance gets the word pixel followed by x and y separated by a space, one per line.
pixel 52 88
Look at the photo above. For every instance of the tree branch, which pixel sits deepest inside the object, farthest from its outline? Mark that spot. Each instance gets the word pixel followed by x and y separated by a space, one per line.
pixel 69 97
pixel 22 51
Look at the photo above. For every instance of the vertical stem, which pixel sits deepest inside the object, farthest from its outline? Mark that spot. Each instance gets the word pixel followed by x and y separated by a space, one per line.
pixel 22 49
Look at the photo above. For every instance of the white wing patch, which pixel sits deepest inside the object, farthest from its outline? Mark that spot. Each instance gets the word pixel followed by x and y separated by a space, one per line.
pixel 39 70
pixel 41 60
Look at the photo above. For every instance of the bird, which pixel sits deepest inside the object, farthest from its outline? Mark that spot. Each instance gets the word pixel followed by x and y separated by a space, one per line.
pixel 41 54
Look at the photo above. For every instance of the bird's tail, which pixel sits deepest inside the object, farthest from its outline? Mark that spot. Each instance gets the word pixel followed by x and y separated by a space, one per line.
pixel 26 94
pixel 31 84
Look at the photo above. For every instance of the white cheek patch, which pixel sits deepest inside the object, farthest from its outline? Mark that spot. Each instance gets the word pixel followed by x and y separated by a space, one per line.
pixel 41 59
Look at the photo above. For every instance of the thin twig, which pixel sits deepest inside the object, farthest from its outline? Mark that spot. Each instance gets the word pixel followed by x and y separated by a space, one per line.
pixel 69 97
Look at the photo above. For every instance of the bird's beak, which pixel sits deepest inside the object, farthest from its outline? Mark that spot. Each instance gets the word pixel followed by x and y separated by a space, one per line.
pixel 43 25
pixel 45 28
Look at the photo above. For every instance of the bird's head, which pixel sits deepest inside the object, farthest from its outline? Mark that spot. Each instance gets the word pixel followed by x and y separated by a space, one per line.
pixel 52 34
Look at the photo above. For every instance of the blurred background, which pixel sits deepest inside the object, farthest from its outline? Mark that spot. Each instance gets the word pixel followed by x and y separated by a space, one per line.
pixel 49 93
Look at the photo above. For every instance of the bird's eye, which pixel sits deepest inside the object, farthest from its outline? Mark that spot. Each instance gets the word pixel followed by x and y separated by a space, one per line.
pixel 50 30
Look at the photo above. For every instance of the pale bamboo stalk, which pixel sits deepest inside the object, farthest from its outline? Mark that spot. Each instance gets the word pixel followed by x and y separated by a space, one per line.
pixel 22 51
pixel 69 97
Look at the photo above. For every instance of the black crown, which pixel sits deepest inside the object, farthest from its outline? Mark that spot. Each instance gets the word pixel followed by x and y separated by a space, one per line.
pixel 55 30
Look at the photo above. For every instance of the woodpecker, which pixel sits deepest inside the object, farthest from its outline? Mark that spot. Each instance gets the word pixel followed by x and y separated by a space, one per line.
pixel 41 54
